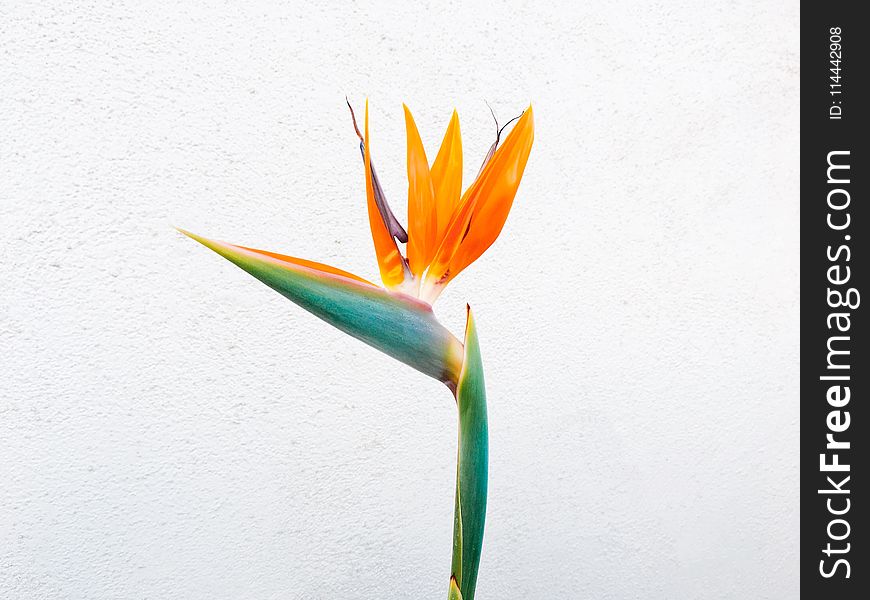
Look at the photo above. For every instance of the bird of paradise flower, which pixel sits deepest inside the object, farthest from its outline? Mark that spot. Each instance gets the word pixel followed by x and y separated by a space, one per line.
pixel 447 231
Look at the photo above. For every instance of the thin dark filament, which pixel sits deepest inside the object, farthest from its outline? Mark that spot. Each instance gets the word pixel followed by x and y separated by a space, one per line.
pixel 498 130
pixel 490 153
pixel 390 221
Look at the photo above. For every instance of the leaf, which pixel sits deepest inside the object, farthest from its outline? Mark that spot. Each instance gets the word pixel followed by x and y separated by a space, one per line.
pixel 473 459
pixel 456 564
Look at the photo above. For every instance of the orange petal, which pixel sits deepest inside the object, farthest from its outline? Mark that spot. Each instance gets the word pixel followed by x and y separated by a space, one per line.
pixel 497 193
pixel 421 201
pixel 447 177
pixel 456 230
pixel 390 261
pixel 303 263
pixel 483 210
pixel 393 226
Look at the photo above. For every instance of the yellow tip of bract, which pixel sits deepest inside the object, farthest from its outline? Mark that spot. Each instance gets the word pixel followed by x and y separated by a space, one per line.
pixel 454 593
pixel 202 240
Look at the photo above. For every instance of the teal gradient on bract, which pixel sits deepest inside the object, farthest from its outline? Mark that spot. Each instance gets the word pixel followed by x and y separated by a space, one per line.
pixel 472 464
pixel 398 325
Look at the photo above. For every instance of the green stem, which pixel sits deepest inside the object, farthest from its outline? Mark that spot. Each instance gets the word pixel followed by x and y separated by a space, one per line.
pixel 472 462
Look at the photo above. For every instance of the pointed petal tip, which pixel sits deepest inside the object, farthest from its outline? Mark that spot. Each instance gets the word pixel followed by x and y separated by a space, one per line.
pixel 409 117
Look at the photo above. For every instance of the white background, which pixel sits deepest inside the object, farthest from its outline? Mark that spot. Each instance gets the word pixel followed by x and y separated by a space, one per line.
pixel 171 428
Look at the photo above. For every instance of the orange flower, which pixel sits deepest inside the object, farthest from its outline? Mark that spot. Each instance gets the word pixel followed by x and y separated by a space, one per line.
pixel 446 231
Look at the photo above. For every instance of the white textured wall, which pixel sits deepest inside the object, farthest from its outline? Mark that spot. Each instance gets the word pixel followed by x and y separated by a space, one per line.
pixel 171 428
